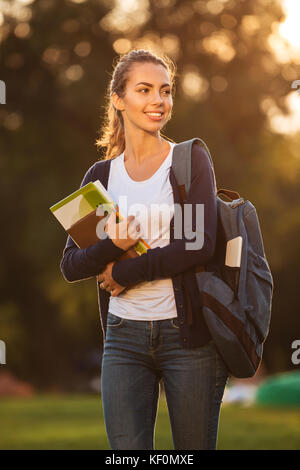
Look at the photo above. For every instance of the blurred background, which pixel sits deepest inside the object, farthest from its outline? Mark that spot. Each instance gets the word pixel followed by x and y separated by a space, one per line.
pixel 236 88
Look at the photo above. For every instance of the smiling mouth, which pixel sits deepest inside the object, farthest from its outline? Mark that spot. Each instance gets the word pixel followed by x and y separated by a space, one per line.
pixel 155 114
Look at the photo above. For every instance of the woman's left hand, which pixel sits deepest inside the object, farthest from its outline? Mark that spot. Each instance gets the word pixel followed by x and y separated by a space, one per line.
pixel 108 283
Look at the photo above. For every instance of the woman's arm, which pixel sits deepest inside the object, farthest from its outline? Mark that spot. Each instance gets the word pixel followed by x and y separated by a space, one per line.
pixel 77 264
pixel 174 258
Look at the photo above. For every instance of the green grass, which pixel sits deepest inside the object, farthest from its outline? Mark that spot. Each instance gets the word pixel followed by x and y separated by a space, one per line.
pixel 76 422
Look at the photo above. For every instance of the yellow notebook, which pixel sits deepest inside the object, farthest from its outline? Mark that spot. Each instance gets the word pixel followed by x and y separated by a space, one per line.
pixel 77 213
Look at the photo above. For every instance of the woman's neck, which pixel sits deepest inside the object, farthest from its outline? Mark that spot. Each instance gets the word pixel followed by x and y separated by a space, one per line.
pixel 138 151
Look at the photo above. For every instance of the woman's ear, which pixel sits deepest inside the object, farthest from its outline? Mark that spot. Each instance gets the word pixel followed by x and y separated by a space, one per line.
pixel 117 102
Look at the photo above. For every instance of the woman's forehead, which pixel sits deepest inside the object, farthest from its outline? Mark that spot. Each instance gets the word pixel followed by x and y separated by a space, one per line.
pixel 152 73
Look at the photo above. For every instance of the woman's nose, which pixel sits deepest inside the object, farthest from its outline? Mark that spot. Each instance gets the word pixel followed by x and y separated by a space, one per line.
pixel 157 98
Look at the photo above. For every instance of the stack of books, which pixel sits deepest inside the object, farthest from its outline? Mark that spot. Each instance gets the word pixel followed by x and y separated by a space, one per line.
pixel 80 215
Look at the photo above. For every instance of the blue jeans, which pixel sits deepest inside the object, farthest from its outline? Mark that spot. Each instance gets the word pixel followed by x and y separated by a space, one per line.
pixel 137 354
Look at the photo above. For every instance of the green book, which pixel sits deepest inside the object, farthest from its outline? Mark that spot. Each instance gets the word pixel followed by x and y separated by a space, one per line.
pixel 77 213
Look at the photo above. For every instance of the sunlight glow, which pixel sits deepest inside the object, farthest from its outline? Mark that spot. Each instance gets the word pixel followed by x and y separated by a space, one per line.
pixel 285 42
pixel 284 124
pixel 289 29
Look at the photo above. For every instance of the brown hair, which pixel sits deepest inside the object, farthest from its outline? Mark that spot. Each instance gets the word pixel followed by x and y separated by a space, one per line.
pixel 113 137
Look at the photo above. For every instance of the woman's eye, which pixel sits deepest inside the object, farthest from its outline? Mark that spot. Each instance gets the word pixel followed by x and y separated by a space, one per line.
pixel 146 89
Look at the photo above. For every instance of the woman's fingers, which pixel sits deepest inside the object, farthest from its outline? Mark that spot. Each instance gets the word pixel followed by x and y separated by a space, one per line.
pixel 125 233
pixel 114 291
pixel 111 221
pixel 134 229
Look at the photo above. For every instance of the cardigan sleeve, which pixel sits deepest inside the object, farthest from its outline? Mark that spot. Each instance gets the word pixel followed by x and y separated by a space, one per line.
pixel 175 258
pixel 76 263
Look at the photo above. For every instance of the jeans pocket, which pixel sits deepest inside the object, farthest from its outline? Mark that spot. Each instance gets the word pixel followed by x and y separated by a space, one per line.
pixel 114 320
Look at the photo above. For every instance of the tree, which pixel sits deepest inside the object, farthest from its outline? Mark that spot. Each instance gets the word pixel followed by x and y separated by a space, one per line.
pixel 56 60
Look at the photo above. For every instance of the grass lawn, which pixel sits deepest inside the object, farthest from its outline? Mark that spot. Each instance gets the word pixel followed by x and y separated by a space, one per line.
pixel 76 422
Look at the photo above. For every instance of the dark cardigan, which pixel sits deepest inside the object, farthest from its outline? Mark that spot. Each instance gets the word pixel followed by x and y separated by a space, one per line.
pixel 172 261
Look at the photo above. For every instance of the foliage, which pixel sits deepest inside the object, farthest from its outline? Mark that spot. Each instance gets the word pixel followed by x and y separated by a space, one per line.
pixel 56 63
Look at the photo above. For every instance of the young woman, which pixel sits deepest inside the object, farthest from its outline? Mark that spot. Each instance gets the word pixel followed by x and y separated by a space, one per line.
pixel 150 307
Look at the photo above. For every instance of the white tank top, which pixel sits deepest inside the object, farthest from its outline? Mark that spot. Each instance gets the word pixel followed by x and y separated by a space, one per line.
pixel 147 300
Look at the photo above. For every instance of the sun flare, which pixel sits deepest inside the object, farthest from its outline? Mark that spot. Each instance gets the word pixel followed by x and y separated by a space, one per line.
pixel 289 28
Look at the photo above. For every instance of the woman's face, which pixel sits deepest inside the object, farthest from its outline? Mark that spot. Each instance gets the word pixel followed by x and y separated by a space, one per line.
pixel 152 95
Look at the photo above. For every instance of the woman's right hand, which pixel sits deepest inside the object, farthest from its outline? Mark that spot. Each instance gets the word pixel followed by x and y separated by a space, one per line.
pixel 124 234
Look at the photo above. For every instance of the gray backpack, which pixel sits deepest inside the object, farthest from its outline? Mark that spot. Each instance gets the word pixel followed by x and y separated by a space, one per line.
pixel 236 301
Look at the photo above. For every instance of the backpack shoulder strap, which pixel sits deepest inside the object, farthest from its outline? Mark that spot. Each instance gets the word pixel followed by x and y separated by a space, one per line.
pixel 182 165
pixel 182 162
